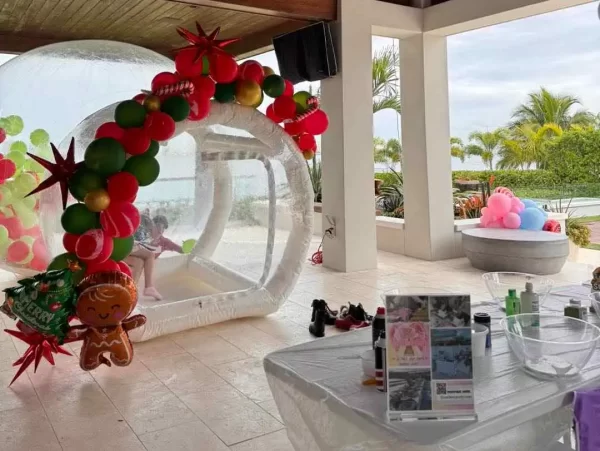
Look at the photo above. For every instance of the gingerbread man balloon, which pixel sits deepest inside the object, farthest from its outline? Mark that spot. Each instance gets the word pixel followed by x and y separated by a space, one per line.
pixel 104 304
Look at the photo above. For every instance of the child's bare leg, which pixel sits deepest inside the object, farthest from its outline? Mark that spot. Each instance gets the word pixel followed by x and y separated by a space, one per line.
pixel 137 266
pixel 148 259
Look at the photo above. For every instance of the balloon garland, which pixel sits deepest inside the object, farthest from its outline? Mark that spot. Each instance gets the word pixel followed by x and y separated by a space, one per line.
pixel 91 281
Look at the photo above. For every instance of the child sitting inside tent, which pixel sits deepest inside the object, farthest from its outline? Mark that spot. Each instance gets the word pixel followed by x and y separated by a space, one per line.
pixel 149 244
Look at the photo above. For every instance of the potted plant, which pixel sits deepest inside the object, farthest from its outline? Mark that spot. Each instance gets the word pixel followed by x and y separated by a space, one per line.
pixel 315 173
pixel 579 236
pixel 391 197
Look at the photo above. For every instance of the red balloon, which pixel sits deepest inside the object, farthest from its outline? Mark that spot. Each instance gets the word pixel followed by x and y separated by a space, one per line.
pixel 110 130
pixel 17 252
pixel 160 126
pixel 223 68
pixel 306 141
pixel 294 128
pixel 163 79
pixel 139 98
pixel 70 241
pixel 122 186
pixel 188 64
pixel 125 269
pixel 316 123
pixel 251 70
pixel 14 227
pixel 271 114
pixel 204 86
pixel 135 141
pixel 40 251
pixel 94 246
pixel 2 135
pixel 284 107
pixel 199 106
pixel 107 266
pixel 7 169
pixel 38 264
pixel 120 219
pixel 289 89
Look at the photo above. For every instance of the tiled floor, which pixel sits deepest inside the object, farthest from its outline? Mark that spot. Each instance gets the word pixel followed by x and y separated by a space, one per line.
pixel 202 389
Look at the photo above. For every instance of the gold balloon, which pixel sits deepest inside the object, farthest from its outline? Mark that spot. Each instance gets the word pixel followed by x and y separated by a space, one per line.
pixel 268 71
pixel 248 92
pixel 308 154
pixel 152 103
pixel 97 200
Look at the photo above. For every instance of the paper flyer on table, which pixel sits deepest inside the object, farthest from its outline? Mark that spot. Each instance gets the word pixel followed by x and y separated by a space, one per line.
pixel 429 358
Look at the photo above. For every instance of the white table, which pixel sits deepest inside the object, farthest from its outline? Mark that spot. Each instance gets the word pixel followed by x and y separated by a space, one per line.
pixel 317 388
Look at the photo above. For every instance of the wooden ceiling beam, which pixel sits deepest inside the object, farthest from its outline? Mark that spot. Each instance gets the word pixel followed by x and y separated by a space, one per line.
pixel 311 10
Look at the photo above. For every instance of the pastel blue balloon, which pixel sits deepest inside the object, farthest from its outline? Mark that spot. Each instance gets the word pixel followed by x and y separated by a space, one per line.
pixel 529 203
pixel 532 219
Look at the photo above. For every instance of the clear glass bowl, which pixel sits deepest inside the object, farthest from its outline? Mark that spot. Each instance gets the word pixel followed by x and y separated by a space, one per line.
pixel 558 347
pixel 595 302
pixel 498 284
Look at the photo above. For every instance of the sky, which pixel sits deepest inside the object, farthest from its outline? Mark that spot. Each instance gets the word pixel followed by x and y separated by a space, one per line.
pixel 491 70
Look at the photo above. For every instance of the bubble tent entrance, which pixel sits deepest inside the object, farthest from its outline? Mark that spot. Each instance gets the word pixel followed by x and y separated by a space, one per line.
pixel 221 281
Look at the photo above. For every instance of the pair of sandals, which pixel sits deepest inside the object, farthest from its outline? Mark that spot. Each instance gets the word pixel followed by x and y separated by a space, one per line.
pixel 349 317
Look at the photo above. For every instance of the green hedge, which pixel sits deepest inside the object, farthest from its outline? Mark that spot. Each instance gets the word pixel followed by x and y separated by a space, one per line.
pixel 511 179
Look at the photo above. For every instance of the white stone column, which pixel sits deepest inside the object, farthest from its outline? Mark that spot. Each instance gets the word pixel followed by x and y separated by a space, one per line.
pixel 427 170
pixel 347 147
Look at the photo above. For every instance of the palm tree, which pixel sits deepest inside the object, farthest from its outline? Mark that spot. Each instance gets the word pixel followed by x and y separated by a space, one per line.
pixel 386 78
pixel 527 145
pixel 543 108
pixel 485 145
pixel 389 152
pixel 457 149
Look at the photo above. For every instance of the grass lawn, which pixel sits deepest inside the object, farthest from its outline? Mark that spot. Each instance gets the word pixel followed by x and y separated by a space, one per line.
pixel 594 246
pixel 588 219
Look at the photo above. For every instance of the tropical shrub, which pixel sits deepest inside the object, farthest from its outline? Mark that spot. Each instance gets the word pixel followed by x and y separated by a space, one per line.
pixel 391 196
pixel 578 232
pixel 575 156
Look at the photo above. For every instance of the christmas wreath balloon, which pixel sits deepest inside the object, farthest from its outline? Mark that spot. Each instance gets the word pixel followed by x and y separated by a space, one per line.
pixel 94 279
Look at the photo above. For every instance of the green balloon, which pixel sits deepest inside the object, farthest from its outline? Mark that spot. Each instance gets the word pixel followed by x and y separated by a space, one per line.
pixel 84 181
pixel 6 196
pixel 44 151
pixel 18 158
pixel 188 246
pixel 29 202
pixel 301 98
pixel 106 156
pixel 130 114
pixel 153 149
pixel 39 137
pixel 62 262
pixel 12 125
pixel 273 86
pixel 3 234
pixel 205 65
pixel 18 146
pixel 176 107
pixel 33 166
pixel 24 183
pixel 121 248
pixel 145 169
pixel 77 219
pixel 225 93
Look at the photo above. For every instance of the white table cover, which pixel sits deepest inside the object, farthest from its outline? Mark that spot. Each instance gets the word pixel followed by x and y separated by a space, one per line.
pixel 317 388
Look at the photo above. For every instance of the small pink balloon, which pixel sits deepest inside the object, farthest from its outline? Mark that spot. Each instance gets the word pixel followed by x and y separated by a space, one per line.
pixel 516 206
pixel 512 221
pixel 499 204
pixel 484 220
pixel 504 190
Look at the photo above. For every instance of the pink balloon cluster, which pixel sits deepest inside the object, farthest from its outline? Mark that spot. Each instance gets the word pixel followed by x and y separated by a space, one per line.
pixel 502 211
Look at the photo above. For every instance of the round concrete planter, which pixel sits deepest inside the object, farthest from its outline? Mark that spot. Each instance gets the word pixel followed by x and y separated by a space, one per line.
pixel 516 250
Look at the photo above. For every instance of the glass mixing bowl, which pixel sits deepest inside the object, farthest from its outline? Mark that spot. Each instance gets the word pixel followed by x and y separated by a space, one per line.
pixel 548 346
pixel 498 284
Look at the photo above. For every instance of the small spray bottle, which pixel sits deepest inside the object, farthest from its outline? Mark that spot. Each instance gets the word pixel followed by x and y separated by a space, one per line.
pixel 512 303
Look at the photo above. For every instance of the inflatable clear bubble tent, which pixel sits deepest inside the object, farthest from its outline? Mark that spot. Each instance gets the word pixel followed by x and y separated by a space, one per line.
pixel 237 184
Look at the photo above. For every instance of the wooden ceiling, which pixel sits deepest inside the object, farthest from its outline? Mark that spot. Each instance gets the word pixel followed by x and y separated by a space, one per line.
pixel 27 24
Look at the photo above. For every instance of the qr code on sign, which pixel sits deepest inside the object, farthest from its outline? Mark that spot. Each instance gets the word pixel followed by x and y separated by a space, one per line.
pixel 440 388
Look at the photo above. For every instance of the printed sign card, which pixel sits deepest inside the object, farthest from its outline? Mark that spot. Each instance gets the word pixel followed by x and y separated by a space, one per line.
pixel 429 359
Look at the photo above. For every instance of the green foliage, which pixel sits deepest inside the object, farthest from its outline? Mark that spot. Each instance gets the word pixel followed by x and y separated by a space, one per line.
pixel 243 210
pixel 575 156
pixel 510 178
pixel 578 232
pixel 391 196
pixel 315 173
pixel 388 152
pixel 386 79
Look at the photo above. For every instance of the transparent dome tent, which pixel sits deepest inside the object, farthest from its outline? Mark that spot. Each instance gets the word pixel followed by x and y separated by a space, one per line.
pixel 237 184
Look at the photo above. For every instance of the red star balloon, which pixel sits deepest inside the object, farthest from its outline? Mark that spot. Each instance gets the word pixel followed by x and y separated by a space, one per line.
pixel 40 347
pixel 204 45
pixel 60 171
